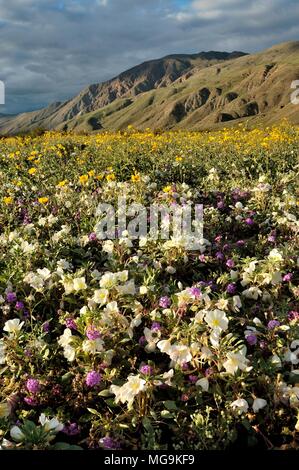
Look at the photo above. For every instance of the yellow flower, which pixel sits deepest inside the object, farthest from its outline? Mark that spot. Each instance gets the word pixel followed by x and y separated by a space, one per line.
pixel 62 183
pixel 91 173
pixel 8 200
pixel 43 200
pixel 178 159
pixel 32 171
pixel 110 177
pixel 166 189
pixel 135 178
pixel 83 179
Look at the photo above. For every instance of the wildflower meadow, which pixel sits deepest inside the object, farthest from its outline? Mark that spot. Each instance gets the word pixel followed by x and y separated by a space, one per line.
pixel 145 343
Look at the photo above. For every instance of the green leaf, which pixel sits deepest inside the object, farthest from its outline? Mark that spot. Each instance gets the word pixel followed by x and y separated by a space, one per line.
pixel 170 405
pixel 105 393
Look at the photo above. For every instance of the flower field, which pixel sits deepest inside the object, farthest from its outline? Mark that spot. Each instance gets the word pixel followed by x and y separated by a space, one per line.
pixel 144 344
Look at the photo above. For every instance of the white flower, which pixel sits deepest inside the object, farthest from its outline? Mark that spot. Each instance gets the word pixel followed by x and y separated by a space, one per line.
pixel 240 405
pixel 100 296
pixel 122 276
pixel 152 338
pixel 35 281
pixel 68 285
pixel 27 248
pixel 108 246
pixel 79 284
pixel 66 338
pixel 217 320
pixel 127 289
pixel 128 391
pixel 292 353
pixel 69 353
pixel 50 424
pixel 13 327
pixel 180 354
pixel 143 290
pixel 258 404
pixel 236 361
pixel 164 346
pixel 203 383
pixel 93 345
pixel 2 352
pixel 275 256
pixel 252 293
pixel 237 304
pixel 111 308
pixel 108 281
pixel 16 434
pixel 184 297
pixel 275 360
pixel 44 273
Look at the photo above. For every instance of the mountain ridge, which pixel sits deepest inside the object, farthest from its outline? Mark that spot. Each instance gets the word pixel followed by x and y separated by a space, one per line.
pixel 194 91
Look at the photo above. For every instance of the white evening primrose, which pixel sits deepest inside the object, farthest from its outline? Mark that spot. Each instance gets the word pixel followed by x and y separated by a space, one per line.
pixel 240 405
pixel 258 404
pixel 236 361
pixel 217 320
pixel 13 327
pixel 66 338
pixel 16 434
pixel 108 281
pixel 203 383
pixel 50 424
pixel 100 296
pixel 79 284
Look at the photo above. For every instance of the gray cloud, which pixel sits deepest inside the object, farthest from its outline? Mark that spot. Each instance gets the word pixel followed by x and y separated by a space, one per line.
pixel 53 48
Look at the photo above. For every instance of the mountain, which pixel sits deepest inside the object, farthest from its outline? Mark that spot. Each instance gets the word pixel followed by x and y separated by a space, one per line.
pixel 198 91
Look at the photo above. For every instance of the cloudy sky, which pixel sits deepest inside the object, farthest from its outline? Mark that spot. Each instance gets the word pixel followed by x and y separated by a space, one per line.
pixel 51 49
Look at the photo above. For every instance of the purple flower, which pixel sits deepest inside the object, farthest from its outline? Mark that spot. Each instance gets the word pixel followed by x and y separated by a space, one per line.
pixel 71 429
pixel 156 326
pixel 263 344
pixel 71 324
pixel 209 372
pixel 11 297
pixel 219 255
pixel 288 277
pixel 195 291
pixel 30 401
pixel 230 263
pixel 109 443
pixel 193 378
pixel 146 370
pixel 251 339
pixel 46 327
pixel 19 306
pixel 164 302
pixel 231 288
pixel 92 237
pixel 293 315
pixel 93 378
pixel 273 324
pixel 92 333
pixel 272 238
pixel 142 341
pixel 220 205
pixel 240 243
pixel 249 221
pixel 33 386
